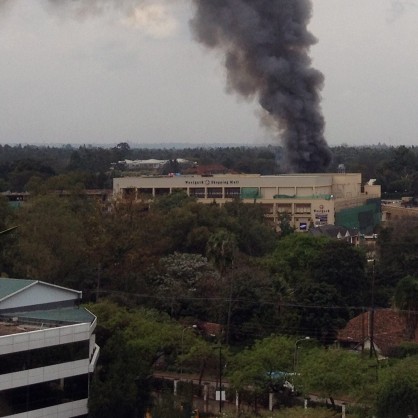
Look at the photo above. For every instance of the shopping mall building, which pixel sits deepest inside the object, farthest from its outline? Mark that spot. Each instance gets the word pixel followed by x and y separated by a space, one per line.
pixel 309 199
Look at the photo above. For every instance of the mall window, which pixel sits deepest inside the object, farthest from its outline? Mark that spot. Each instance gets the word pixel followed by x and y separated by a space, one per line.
pixel 144 192
pixel 302 208
pixel 267 209
pixel 232 192
pixel 215 192
pixel 129 193
pixel 198 192
pixel 285 208
pixel 163 191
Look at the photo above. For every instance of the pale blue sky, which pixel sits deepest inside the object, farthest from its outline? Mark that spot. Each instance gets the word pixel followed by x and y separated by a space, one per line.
pixel 110 77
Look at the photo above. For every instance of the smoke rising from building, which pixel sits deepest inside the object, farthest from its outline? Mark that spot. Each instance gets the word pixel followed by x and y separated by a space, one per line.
pixel 266 44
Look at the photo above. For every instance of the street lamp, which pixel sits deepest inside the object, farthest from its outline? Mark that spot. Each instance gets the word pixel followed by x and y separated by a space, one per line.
pixel 295 356
pixel 182 347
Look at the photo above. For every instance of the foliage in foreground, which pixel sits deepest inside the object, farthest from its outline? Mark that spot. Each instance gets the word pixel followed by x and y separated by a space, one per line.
pixel 398 391
pixel 296 412
pixel 131 342
pixel 336 374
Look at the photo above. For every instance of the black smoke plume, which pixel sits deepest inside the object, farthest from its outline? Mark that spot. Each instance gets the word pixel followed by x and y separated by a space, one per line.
pixel 266 45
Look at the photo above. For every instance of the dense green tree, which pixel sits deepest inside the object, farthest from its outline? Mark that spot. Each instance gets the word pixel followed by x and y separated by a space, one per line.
pixel 7 240
pixel 323 279
pixel 254 236
pixel 285 226
pixel 322 311
pixel 397 256
pixel 51 241
pixel 183 282
pixel 292 255
pixel 177 199
pixel 343 266
pixel 250 302
pixel 332 373
pixel 23 170
pixel 395 173
pixel 258 365
pixel 221 249
pixel 131 344
pixel 406 300
pixel 397 396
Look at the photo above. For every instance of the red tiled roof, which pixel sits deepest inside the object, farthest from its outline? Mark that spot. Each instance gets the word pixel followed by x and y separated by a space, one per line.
pixel 210 328
pixel 389 329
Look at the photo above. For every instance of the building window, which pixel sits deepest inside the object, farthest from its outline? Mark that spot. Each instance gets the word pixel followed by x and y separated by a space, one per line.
pixel 42 357
pixel 215 192
pixel 267 209
pixel 302 208
pixel 163 191
pixel 232 192
pixel 144 192
pixel 287 208
pixel 198 192
pixel 128 193
pixel 43 395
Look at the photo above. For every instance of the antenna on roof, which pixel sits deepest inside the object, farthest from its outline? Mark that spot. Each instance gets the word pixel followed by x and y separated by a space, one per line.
pixel 341 168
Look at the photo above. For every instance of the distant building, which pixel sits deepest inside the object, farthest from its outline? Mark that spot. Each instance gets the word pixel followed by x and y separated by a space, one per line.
pixel 208 169
pixel 350 235
pixel 309 200
pixel 47 350
pixel 102 196
pixel 151 165
pixel 397 210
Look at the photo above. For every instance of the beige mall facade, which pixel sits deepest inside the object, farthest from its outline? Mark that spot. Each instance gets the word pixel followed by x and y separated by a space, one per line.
pixel 309 199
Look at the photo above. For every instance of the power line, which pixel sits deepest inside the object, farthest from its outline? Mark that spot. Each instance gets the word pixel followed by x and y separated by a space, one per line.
pixel 241 300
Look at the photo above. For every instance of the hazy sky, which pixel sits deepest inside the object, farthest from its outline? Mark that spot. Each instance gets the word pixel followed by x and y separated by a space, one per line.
pixel 73 77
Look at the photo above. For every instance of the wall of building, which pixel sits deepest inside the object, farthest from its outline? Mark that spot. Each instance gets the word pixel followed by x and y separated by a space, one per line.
pixel 40 294
pixel 364 217
pixel 309 199
pixel 47 370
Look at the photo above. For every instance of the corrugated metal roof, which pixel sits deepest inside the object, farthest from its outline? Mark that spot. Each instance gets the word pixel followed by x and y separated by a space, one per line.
pixel 10 286
pixel 63 315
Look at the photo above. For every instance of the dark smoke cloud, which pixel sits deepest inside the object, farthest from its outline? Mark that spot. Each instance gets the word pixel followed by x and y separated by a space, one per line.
pixel 266 45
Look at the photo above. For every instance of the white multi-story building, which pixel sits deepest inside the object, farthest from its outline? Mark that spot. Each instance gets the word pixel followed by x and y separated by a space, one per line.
pixel 47 350
pixel 308 199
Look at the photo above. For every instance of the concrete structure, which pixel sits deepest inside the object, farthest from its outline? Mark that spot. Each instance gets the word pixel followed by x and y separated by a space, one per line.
pixel 308 199
pixel 47 350
pixel 395 211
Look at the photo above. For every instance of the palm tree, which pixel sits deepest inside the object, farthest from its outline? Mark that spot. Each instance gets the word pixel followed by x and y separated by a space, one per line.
pixel 221 249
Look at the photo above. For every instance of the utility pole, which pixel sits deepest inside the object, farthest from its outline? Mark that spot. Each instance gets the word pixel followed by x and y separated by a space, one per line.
pixel 372 349
pixel 99 272
pixel 219 347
